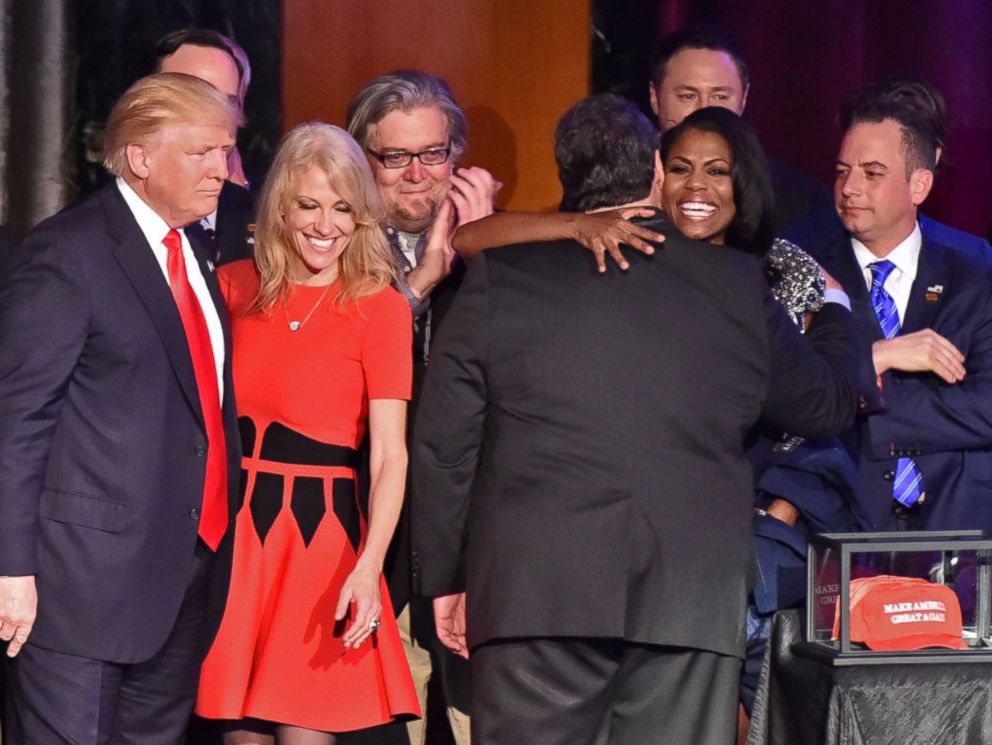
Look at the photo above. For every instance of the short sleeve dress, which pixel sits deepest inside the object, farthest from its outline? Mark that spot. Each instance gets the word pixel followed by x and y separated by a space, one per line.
pixel 302 401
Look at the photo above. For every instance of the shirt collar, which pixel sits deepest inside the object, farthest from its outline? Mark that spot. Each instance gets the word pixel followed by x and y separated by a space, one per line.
pixel 906 256
pixel 151 223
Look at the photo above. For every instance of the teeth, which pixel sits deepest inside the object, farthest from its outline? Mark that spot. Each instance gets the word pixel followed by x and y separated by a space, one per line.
pixel 697 210
pixel 323 243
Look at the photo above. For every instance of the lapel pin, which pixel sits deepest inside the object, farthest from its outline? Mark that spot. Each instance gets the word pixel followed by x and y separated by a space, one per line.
pixel 936 289
pixel 933 293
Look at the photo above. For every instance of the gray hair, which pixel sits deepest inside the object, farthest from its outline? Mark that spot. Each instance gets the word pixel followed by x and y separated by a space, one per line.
pixel 405 90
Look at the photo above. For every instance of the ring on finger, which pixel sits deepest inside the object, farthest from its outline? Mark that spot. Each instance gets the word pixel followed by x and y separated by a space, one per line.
pixel 376 623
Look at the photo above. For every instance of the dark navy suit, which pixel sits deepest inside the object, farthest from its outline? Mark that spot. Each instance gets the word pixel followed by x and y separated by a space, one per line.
pixel 102 448
pixel 946 429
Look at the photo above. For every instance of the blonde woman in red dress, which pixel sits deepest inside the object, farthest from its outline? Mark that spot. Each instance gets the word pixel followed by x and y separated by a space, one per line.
pixel 321 350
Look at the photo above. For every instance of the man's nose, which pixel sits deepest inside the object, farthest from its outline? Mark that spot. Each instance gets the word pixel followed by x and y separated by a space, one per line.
pixel 850 184
pixel 415 171
pixel 217 165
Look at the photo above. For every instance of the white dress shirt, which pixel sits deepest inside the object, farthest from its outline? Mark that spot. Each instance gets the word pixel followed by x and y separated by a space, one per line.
pixel 155 229
pixel 906 257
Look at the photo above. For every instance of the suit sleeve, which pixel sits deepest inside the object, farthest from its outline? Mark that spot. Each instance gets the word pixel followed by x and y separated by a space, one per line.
pixel 447 438
pixel 811 389
pixel 923 415
pixel 44 311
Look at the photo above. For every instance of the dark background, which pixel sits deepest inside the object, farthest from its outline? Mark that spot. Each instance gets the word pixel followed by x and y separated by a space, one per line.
pixel 114 43
pixel 807 56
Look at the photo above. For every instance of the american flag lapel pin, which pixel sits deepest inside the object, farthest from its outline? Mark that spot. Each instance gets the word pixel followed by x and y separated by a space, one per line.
pixel 933 293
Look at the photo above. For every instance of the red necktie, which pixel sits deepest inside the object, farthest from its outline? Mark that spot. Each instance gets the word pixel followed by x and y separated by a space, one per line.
pixel 213 515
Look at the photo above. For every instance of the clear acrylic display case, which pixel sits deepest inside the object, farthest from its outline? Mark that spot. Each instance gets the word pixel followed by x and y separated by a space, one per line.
pixel 962 560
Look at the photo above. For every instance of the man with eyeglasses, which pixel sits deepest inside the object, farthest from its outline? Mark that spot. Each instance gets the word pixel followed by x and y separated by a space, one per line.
pixel 414 133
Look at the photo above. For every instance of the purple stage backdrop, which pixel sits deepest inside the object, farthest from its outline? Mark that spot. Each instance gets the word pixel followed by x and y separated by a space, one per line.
pixel 806 56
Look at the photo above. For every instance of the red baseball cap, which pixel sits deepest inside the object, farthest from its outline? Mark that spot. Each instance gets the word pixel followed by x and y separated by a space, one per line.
pixel 895 614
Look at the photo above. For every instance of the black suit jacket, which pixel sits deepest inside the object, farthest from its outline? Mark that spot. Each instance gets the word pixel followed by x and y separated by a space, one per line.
pixel 947 429
pixel 797 195
pixel 232 239
pixel 102 443
pixel 577 456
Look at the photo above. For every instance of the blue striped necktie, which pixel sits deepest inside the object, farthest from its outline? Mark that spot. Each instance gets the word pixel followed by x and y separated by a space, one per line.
pixel 907 489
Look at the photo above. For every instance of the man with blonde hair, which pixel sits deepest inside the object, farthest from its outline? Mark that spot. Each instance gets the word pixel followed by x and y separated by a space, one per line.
pixel 118 437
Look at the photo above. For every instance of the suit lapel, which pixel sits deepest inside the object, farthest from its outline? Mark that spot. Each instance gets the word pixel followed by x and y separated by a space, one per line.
pixel 843 265
pixel 202 250
pixel 139 264
pixel 928 290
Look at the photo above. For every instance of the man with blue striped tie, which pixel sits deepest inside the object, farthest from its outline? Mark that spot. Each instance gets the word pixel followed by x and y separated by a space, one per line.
pixel 925 313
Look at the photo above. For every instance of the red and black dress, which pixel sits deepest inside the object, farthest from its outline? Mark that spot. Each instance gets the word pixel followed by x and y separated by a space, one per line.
pixel 303 404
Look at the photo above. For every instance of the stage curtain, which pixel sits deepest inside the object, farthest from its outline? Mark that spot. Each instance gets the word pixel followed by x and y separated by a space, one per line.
pixel 807 57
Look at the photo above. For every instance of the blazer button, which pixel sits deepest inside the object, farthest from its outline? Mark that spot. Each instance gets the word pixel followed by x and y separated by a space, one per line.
pixel 889 475
pixel 194 514
pixel 199 451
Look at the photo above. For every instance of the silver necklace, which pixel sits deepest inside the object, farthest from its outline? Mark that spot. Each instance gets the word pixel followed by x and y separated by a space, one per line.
pixel 297 325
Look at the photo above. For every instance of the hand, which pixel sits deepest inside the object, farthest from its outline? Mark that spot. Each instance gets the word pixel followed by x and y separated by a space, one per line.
pixel 449 620
pixel 435 264
pixel 603 232
pixel 921 351
pixel 361 589
pixel 18 610
pixel 473 191
pixel 783 510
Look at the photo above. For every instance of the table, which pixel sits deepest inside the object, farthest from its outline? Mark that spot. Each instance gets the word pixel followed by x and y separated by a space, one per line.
pixel 804 702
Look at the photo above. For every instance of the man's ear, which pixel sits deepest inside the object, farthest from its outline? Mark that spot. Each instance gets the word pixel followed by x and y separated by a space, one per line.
pixel 920 184
pixel 653 95
pixel 658 180
pixel 137 159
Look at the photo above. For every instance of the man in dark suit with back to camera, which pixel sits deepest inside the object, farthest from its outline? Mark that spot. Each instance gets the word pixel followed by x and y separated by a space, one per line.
pixel 118 437
pixel 579 480
pixel 219 60
pixel 922 300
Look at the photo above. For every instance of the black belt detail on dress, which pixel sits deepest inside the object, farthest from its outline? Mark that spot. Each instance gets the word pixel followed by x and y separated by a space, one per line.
pixel 346 508
pixel 266 501
pixel 283 445
pixel 248 431
pixel 307 505
pixel 242 488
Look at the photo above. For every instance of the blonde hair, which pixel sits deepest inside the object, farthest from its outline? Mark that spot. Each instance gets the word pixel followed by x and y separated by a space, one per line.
pixel 366 265
pixel 157 101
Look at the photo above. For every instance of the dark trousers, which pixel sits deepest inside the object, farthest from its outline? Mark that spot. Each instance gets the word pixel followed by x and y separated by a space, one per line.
pixel 56 698
pixel 601 692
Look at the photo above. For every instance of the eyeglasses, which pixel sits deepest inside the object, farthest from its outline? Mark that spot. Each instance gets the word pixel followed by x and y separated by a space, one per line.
pixel 434 156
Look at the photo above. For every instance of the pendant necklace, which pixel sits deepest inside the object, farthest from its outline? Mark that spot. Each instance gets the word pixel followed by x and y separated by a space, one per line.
pixel 297 325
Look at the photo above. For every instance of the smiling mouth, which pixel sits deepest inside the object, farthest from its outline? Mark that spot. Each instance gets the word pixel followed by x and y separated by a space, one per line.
pixel 697 211
pixel 321 244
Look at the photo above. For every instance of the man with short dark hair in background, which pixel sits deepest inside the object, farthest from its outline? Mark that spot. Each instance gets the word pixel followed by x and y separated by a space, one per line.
pixel 414 133
pixel 702 66
pixel 923 303
pixel 219 60
pixel 581 497
pixel 119 447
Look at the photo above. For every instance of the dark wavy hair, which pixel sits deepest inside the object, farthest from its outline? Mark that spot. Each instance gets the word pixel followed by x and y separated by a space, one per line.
pixel 751 229
pixel 909 91
pixel 604 148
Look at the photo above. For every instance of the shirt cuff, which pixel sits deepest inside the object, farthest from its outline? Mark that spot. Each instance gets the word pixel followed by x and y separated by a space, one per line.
pixel 831 295
pixel 418 306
